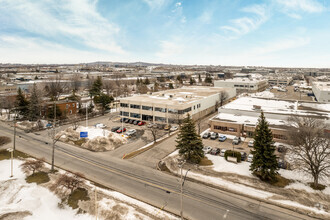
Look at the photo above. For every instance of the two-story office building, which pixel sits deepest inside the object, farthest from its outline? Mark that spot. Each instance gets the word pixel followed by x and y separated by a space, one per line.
pixel 170 106
pixel 242 84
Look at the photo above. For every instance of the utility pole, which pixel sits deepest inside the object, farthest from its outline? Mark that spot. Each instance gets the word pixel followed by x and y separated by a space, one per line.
pixel 54 141
pixel 15 130
pixel 11 150
pixel 95 200
pixel 182 180
pixel 86 116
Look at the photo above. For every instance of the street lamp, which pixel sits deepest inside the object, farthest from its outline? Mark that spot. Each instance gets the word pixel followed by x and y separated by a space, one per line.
pixel 182 180
pixel 11 150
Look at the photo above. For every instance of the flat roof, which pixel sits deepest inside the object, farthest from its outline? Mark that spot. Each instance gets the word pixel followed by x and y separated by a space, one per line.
pixel 324 86
pixel 180 96
pixel 241 80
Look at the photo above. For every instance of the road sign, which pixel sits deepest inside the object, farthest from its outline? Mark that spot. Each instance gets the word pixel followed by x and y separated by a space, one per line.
pixel 83 134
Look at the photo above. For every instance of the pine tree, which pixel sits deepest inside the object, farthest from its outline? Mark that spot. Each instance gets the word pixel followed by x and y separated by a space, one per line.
pixel 103 100
pixel 96 87
pixel 22 103
pixel 170 86
pixel 199 78
pixel 264 164
pixel 146 81
pixel 34 105
pixel 189 143
pixel 192 81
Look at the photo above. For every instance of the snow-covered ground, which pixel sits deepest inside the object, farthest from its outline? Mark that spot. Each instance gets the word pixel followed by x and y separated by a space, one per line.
pixel 16 195
pixel 94 132
pixel 37 202
pixel 220 165
pixel 264 94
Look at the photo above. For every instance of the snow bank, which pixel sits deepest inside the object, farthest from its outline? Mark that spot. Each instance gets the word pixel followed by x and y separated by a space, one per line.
pixel 17 196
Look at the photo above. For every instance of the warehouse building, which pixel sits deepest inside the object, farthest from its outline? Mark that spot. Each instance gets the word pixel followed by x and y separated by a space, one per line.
pixel 321 91
pixel 170 106
pixel 240 116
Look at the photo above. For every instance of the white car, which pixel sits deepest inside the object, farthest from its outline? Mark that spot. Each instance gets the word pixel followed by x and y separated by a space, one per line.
pixel 251 143
pixel 250 157
pixel 174 128
pixel 100 125
pixel 131 132
pixel 207 149
pixel 222 152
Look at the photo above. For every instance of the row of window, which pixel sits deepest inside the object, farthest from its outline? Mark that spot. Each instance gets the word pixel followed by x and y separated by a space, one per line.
pixel 158 109
pixel 243 86
pixel 222 128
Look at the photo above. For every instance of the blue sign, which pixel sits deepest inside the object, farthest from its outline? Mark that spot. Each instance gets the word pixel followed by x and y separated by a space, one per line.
pixel 83 134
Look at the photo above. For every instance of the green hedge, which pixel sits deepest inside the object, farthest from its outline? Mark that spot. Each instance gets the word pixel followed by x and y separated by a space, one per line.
pixel 233 154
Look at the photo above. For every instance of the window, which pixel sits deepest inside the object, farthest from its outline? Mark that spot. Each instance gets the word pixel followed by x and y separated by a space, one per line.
pixel 124 113
pixel 70 112
pixel 232 129
pixel 160 109
pixel 135 106
pixel 149 108
pixel 221 128
pixel 279 136
pixel 67 106
pixel 73 105
pixel 135 115
pixel 185 110
pixel 160 119
pixel 173 111
pixel 124 105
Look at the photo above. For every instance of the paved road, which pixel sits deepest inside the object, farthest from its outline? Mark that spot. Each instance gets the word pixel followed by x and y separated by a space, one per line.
pixel 149 185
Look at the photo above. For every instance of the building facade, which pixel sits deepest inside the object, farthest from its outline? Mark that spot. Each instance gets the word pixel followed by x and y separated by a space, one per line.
pixel 280 81
pixel 321 91
pixel 242 84
pixel 171 106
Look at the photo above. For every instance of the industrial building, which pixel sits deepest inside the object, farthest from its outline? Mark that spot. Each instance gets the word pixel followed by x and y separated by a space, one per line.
pixel 240 116
pixel 280 81
pixel 321 91
pixel 170 106
pixel 242 84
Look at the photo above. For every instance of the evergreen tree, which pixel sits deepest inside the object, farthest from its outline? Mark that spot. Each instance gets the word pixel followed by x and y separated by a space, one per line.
pixel 103 100
pixel 146 81
pixel 179 78
pixel 34 104
pixel 189 143
pixel 137 81
pixel 50 112
pixel 22 103
pixel 156 87
pixel 96 87
pixel 192 81
pixel 170 86
pixel 264 164
pixel 199 78
pixel 208 79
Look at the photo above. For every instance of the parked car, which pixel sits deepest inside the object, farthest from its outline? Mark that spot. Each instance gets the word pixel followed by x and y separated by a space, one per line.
pixel 174 128
pixel 131 132
pixel 281 148
pixel 215 151
pixel 167 127
pixel 114 129
pixel 237 140
pixel 120 130
pixel 136 122
pixel 151 125
pixel 127 120
pixel 222 152
pixel 100 125
pixel 141 123
pixel 251 143
pixel 161 126
pixel 49 125
pixel 243 156
pixel 250 157
pixel 207 149
pixel 214 136
pixel 206 135
pixel 222 138
pixel 131 121
pixel 282 164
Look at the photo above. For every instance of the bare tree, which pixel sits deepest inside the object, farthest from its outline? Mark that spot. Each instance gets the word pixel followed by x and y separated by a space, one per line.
pixel 310 146
pixel 154 131
pixel 75 122
pixel 70 181
pixel 32 165
pixel 55 87
pixel 223 96
pixel 75 83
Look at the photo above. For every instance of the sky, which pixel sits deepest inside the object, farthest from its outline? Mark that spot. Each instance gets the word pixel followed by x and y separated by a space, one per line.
pixel 284 33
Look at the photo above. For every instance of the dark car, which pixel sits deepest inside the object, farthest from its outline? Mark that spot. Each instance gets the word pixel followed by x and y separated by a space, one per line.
pixel 281 148
pixel 282 164
pixel 206 135
pixel 243 156
pixel 131 121
pixel 160 126
pixel 215 151
pixel 126 120
pixel 136 122
pixel 114 129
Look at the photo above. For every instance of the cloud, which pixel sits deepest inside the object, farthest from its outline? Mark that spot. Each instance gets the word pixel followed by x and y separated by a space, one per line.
pixel 155 4
pixel 205 17
pixel 77 21
pixel 244 25
pixel 281 45
pixel 310 6
pixel 169 49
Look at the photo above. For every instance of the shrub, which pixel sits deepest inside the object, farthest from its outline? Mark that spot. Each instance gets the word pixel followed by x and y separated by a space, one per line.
pixel 76 195
pixel 232 153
